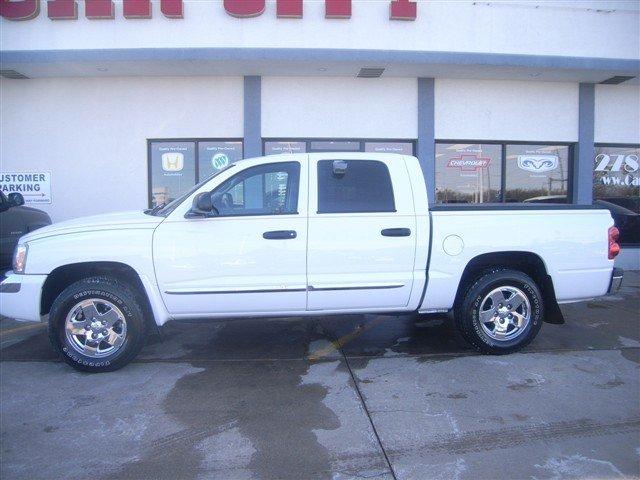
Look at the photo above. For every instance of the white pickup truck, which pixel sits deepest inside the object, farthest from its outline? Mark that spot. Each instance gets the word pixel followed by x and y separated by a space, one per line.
pixel 308 234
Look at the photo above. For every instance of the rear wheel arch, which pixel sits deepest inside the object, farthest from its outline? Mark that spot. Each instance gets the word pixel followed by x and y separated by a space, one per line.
pixel 528 263
pixel 61 277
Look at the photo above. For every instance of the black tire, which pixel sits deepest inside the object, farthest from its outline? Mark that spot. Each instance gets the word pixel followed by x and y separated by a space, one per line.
pixel 117 293
pixel 467 311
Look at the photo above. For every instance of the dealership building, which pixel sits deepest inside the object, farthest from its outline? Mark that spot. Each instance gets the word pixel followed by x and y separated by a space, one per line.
pixel 113 105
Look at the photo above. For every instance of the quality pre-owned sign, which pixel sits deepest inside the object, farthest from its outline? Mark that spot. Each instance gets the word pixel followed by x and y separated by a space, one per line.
pixel 35 187
pixel 105 9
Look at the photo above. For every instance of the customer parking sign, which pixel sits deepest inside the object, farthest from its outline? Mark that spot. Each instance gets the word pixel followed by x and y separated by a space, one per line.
pixel 35 187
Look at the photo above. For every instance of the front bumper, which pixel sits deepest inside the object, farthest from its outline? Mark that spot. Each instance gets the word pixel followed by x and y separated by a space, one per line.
pixel 616 280
pixel 20 296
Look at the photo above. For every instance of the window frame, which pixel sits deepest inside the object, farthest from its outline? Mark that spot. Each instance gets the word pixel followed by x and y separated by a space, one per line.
pixel 503 181
pixel 265 165
pixel 362 141
pixel 196 141
pixel 359 212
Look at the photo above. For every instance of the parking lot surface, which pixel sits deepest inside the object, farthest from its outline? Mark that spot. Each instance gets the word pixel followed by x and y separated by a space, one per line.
pixel 334 397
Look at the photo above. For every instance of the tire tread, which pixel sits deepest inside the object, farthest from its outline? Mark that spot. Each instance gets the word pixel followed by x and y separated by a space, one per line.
pixel 128 295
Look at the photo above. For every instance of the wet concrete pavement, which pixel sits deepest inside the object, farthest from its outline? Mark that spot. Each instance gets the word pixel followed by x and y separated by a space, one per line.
pixel 336 397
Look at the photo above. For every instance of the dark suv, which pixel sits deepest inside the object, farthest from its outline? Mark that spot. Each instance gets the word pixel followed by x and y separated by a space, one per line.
pixel 16 220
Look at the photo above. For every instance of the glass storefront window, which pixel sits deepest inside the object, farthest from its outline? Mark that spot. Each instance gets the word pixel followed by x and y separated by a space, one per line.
pixel 616 187
pixel 331 146
pixel 214 156
pixel 275 148
pixel 403 148
pixel 177 165
pixel 616 176
pixel 173 170
pixel 537 173
pixel 468 173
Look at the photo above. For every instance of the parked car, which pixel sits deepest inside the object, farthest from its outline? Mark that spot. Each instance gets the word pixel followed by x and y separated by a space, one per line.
pixel 623 210
pixel 308 234
pixel 16 220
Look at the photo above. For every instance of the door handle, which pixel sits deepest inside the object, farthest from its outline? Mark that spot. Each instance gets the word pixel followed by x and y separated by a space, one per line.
pixel 280 235
pixel 396 232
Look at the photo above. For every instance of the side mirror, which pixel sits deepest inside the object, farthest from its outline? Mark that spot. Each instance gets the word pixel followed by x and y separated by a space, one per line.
pixel 202 206
pixel 339 168
pixel 15 199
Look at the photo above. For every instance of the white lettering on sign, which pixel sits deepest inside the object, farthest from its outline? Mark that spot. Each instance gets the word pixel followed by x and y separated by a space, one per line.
pixel 618 170
pixel 35 187
pixel 617 163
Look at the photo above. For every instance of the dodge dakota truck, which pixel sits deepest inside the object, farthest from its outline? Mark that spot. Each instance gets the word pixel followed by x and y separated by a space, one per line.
pixel 302 235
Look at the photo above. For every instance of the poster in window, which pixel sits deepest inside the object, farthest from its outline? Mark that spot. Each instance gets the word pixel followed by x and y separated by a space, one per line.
pixel 172 170
pixel 214 156
pixel 616 176
pixel 537 173
pixel 468 173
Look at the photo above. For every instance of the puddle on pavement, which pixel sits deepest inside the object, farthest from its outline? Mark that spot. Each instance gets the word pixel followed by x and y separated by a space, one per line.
pixel 264 403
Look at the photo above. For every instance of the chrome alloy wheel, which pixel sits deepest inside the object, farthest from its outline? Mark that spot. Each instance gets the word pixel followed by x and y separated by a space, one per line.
pixel 95 328
pixel 504 313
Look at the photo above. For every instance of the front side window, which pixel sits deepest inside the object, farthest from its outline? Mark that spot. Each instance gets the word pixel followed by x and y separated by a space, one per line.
pixel 270 189
pixel 363 186
pixel 468 173
pixel 537 173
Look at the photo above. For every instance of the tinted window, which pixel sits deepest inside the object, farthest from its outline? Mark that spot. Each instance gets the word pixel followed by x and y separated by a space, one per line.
pixel 275 148
pixel 334 146
pixel 537 172
pixel 215 156
pixel 468 173
pixel 365 186
pixel 173 170
pixel 262 190
pixel 616 187
pixel 402 148
pixel 616 176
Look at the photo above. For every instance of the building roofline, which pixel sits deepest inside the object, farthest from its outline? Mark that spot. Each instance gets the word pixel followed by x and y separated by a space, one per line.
pixel 305 55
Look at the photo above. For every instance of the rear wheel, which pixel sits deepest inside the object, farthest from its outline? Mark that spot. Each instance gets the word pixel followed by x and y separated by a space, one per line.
pixel 97 324
pixel 501 312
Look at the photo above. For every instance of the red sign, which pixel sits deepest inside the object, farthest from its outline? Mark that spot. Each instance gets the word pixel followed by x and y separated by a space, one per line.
pixel 97 9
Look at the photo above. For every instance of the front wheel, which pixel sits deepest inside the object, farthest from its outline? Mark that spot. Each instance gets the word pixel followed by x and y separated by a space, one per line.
pixel 501 312
pixel 97 325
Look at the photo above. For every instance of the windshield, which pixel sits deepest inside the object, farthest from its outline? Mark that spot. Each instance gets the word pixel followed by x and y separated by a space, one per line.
pixel 164 210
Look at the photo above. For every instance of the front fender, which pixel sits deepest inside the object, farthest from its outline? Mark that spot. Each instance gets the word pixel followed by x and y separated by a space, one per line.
pixel 131 247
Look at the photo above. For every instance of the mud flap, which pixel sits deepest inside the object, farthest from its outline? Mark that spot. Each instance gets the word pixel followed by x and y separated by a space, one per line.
pixel 552 312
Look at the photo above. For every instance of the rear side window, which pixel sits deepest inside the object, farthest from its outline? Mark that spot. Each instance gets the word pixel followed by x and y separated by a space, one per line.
pixel 363 186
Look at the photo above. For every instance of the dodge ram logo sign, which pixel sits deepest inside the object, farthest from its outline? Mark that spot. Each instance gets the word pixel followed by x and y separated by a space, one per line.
pixel 538 163
pixel 105 9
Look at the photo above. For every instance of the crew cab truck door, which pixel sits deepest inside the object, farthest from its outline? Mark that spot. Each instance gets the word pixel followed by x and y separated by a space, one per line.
pixel 250 257
pixel 362 232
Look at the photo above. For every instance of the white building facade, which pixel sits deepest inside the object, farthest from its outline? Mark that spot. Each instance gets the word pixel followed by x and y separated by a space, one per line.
pixel 502 101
